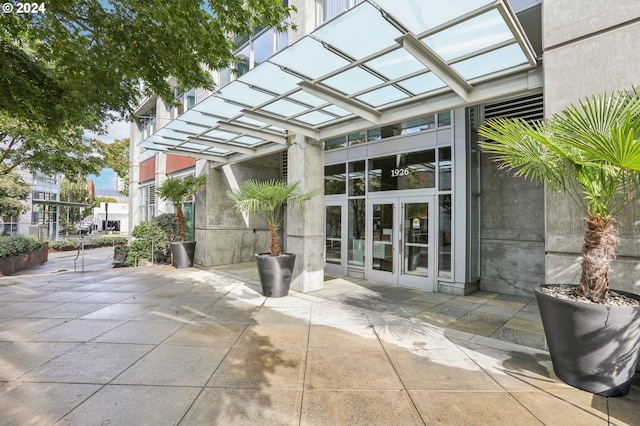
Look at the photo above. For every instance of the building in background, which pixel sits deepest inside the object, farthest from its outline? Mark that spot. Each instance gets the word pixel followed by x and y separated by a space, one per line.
pixel 378 102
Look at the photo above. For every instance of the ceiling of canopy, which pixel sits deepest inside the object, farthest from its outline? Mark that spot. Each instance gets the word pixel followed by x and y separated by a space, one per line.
pixel 381 62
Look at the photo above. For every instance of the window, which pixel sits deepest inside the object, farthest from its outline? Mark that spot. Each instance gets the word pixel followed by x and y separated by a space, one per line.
pixel 329 9
pixel 357 180
pixel 147 202
pixel 334 179
pixel 415 170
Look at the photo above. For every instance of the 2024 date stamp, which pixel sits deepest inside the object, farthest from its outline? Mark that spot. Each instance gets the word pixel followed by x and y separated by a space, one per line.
pixel 24 8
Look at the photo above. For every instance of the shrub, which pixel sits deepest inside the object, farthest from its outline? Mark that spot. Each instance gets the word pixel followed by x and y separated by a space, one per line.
pixel 149 235
pixel 18 244
pixel 63 245
pixel 169 223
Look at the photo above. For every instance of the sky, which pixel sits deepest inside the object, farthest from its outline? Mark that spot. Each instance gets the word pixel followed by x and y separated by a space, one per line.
pixel 107 179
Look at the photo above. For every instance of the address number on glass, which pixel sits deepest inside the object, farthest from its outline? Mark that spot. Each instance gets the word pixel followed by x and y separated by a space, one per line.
pixel 399 172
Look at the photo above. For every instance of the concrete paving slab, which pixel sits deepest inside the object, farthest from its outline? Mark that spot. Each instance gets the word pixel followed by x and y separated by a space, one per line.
pixel 18 358
pixel 20 329
pixel 76 330
pixel 206 334
pixel 140 332
pixel 256 407
pixel 285 336
pixel 345 337
pixel 69 310
pixel 133 405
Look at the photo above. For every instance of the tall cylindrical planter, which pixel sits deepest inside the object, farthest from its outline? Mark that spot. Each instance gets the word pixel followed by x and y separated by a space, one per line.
pixel 275 273
pixel 183 253
pixel 593 347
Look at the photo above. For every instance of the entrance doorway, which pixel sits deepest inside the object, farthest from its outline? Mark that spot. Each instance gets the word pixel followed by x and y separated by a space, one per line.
pixel 401 240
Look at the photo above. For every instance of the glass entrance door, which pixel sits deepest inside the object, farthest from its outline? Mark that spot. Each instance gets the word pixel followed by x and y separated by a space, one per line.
pixel 334 253
pixel 401 241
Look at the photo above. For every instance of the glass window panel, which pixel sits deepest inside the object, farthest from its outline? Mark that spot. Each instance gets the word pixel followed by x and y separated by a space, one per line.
pixel 356 233
pixel 335 179
pixel 356 138
pixel 353 80
pixel 307 98
pixel 496 60
pixel 356 178
pixel 445 237
pixel 444 119
pixel 378 33
pixel 382 241
pixel 308 57
pixel 444 165
pixel 333 235
pixel 419 15
pixel 284 108
pixel 374 134
pixel 315 117
pixel 243 94
pixel 339 142
pixel 422 83
pixel 414 170
pixel 475 236
pixel 270 77
pixel 244 64
pixel 396 64
pixel 263 47
pixel 382 96
pixel 282 40
pixel 470 36
pixel 221 135
pixel 333 109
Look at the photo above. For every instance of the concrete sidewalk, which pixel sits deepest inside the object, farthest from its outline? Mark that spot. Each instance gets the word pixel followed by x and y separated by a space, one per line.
pixel 163 346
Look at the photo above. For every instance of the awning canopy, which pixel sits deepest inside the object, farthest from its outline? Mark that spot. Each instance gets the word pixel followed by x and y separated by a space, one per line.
pixel 379 63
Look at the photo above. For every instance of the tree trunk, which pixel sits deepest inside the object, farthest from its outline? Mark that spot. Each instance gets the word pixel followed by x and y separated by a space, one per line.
pixel 600 241
pixel 182 226
pixel 275 245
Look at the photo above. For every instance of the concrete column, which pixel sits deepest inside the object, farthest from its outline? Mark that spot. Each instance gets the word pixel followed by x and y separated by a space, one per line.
pixel 305 230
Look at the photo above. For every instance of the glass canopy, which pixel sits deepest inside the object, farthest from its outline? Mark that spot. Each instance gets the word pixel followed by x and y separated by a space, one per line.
pixel 380 62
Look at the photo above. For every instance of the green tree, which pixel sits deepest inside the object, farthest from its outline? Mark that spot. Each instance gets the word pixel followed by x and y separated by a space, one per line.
pixel 115 156
pixel 73 191
pixel 81 62
pixel 590 151
pixel 13 193
pixel 180 191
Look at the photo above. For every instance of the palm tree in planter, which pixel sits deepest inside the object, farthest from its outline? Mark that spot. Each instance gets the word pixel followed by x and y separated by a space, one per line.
pixel 179 191
pixel 267 199
pixel 590 151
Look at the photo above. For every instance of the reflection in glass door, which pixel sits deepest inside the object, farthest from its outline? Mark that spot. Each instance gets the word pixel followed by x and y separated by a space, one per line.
pixel 334 232
pixel 416 239
pixel 382 241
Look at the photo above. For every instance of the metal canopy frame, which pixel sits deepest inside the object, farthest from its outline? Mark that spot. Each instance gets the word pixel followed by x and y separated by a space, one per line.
pixel 379 63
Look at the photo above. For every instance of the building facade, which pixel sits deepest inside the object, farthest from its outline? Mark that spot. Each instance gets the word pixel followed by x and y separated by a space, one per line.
pixel 378 102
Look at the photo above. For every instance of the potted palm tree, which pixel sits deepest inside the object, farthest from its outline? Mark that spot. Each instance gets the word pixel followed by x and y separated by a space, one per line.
pixel 179 191
pixel 267 199
pixel 590 151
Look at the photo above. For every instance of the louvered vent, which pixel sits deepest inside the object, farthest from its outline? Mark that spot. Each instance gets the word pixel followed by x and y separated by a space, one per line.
pixel 527 107
pixel 152 194
pixel 285 164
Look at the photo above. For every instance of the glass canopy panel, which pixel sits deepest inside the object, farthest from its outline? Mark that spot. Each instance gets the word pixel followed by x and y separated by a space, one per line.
pixel 470 36
pixel 243 94
pixel 491 62
pixel 218 107
pixel 422 83
pixel 334 109
pixel 396 64
pixel 419 16
pixel 275 129
pixel 184 127
pixel 309 58
pixel 248 140
pixel 194 146
pixel 353 81
pixel 217 151
pixel 221 134
pixel 315 117
pixel 284 108
pixel 165 132
pixel 196 117
pixel 307 98
pixel 271 77
pixel 382 96
pixel 360 32
pixel 152 146
pixel 250 121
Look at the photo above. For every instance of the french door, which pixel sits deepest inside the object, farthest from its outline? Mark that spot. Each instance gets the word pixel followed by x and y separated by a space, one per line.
pixel 401 240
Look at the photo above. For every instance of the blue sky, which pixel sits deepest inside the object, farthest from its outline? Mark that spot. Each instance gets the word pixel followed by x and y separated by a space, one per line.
pixel 108 178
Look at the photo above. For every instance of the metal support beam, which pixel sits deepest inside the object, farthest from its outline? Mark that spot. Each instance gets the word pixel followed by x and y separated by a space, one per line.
pixel 333 97
pixel 222 145
pixel 436 64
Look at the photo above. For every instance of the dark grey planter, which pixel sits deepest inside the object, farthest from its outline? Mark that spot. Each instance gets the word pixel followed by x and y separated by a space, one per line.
pixel 593 347
pixel 183 253
pixel 275 273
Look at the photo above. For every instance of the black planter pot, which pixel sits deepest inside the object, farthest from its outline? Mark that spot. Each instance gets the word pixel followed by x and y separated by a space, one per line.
pixel 183 253
pixel 593 347
pixel 275 273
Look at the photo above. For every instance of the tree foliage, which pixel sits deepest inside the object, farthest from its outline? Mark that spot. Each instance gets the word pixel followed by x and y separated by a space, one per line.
pixel 13 193
pixel 82 61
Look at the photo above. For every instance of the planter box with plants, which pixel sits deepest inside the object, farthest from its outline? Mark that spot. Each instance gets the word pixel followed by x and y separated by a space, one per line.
pixel 591 152
pixel 179 191
pixel 18 253
pixel 267 199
